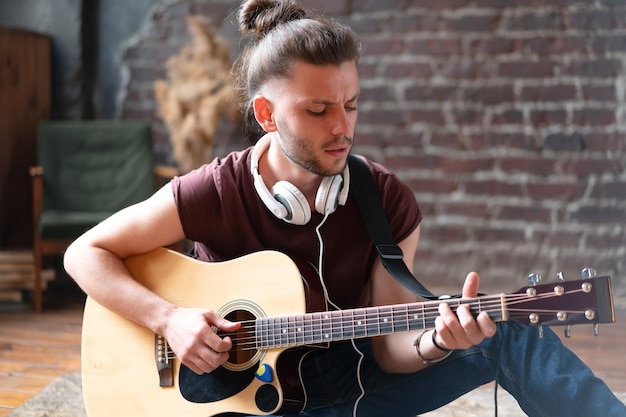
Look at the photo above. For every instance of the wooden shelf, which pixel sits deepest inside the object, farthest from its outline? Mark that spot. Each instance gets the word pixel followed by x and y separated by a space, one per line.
pixel 17 274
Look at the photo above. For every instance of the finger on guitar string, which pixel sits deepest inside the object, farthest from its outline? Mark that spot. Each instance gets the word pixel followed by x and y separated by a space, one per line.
pixel 191 334
pixel 460 329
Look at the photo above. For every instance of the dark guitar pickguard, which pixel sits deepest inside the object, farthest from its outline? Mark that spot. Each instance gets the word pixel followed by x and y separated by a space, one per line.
pixel 215 386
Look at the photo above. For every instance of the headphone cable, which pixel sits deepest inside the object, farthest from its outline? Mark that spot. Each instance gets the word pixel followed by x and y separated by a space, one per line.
pixel 352 341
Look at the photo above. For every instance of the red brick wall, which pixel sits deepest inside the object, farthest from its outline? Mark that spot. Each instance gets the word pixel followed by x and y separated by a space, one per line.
pixel 507 118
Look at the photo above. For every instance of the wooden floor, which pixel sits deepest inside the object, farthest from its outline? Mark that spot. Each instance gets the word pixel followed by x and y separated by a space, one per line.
pixel 36 348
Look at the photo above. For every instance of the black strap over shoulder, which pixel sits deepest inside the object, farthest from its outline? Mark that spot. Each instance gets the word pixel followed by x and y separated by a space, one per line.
pixel 370 204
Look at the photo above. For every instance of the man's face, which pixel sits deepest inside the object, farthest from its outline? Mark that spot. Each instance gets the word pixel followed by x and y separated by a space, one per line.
pixel 315 112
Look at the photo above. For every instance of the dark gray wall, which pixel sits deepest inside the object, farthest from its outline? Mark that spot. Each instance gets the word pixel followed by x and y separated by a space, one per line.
pixel 87 37
pixel 118 21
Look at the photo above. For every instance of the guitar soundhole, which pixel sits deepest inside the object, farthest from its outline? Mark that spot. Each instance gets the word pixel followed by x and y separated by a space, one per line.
pixel 243 354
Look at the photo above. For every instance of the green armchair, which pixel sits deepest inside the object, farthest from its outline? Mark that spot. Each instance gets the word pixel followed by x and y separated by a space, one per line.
pixel 87 170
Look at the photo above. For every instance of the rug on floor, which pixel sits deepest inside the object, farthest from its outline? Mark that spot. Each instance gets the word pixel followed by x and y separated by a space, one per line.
pixel 61 398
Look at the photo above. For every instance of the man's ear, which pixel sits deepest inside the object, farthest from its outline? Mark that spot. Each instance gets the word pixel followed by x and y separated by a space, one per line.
pixel 263 113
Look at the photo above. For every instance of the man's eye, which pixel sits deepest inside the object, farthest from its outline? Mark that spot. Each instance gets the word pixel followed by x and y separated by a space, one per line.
pixel 351 108
pixel 317 112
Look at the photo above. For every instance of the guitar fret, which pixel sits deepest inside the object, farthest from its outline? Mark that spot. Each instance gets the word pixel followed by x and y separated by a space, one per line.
pixel 327 327
pixel 347 325
pixel 289 333
pixel 360 323
pixel 316 328
pixel 413 318
pixel 399 319
pixel 283 324
pixel 265 331
pixel 337 330
pixel 275 332
pixel 386 320
pixel 372 327
pixel 261 334
pixel 268 342
pixel 299 323
pixel 307 333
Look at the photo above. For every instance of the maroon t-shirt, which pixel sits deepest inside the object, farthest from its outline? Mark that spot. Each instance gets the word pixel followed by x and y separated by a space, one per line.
pixel 221 212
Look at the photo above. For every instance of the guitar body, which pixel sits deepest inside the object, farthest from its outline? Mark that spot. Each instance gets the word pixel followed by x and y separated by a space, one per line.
pixel 119 372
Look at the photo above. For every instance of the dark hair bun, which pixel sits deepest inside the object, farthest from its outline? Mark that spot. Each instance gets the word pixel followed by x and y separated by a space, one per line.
pixel 259 17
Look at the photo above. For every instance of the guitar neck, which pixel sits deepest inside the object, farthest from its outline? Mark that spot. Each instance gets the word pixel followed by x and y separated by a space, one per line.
pixel 359 323
pixel 564 303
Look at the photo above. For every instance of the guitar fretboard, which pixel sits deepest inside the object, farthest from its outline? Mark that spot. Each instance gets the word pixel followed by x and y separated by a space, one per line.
pixel 331 326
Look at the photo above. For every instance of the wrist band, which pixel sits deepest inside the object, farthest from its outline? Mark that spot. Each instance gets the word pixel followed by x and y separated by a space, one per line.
pixel 434 339
pixel 427 361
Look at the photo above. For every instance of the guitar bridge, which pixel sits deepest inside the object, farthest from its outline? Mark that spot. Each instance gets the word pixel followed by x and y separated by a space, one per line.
pixel 163 359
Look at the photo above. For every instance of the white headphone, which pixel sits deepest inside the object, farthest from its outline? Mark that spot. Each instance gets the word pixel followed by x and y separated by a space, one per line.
pixel 287 202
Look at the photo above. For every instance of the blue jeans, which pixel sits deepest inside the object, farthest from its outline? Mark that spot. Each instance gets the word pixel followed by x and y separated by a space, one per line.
pixel 545 377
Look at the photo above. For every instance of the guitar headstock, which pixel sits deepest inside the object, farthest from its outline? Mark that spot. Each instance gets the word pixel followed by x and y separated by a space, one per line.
pixel 563 303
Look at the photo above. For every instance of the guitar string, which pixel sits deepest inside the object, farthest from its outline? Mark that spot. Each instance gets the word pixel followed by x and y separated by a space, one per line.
pixel 335 321
pixel 409 308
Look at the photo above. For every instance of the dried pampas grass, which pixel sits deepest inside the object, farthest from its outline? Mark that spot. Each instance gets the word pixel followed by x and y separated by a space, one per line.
pixel 197 95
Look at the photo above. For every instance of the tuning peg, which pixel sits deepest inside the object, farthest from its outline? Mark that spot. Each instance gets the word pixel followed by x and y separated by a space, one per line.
pixel 568 331
pixel 534 279
pixel 588 273
pixel 560 276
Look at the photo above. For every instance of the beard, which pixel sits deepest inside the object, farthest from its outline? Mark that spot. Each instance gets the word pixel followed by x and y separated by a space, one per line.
pixel 300 151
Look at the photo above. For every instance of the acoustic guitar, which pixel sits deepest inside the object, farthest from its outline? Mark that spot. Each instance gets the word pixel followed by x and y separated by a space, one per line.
pixel 129 371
